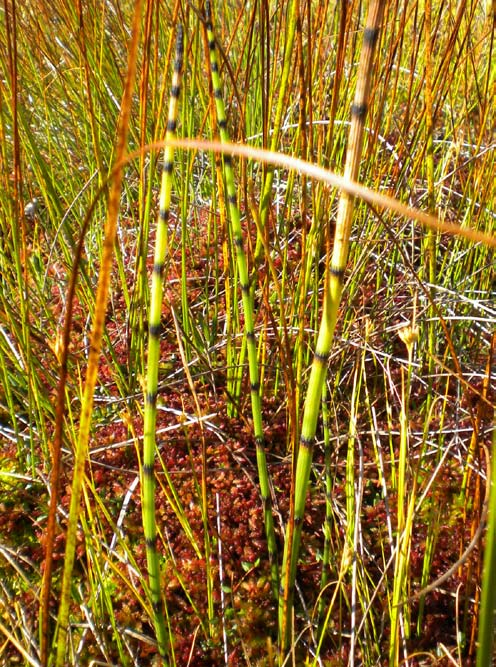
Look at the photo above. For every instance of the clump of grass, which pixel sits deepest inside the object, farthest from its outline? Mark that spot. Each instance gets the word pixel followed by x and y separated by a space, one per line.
pixel 400 483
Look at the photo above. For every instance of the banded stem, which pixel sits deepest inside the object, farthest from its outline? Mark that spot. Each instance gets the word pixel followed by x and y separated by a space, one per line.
pixel 248 308
pixel 332 297
pixel 150 416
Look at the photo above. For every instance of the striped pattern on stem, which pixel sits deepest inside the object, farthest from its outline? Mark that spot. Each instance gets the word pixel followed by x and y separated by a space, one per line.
pixel 247 299
pixel 150 416
pixel 335 270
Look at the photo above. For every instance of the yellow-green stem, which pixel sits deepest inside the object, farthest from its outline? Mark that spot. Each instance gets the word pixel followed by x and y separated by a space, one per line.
pixel 153 359
pixel 249 318
pixel 96 344
pixel 333 289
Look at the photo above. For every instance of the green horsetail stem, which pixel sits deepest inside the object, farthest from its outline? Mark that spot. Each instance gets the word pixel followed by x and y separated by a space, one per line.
pixel 248 308
pixel 334 277
pixel 155 314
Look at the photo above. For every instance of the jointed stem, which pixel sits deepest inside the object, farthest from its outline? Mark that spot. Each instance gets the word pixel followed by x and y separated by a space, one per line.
pixel 148 478
pixel 332 298
pixel 248 308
